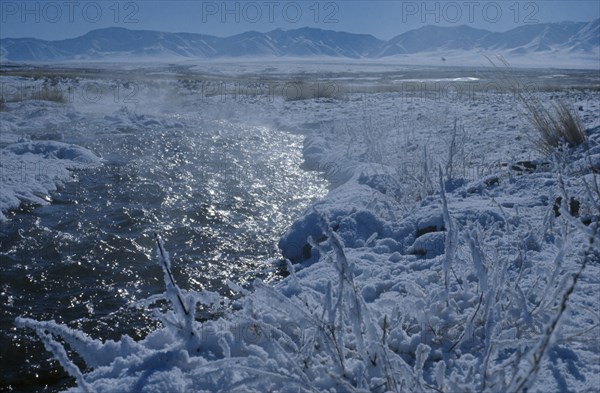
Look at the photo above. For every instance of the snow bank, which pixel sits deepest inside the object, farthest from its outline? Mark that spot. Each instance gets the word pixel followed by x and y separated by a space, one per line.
pixel 31 170
pixel 359 205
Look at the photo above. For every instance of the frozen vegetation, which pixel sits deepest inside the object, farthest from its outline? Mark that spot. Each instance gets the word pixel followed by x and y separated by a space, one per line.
pixel 448 256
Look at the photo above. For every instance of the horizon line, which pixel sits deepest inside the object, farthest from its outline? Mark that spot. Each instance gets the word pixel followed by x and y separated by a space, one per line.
pixel 299 28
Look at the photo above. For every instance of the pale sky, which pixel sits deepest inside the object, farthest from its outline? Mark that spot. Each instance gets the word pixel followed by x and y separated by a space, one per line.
pixel 61 19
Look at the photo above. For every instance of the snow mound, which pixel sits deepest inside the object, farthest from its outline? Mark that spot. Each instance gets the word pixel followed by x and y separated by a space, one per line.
pixel 73 157
pixel 30 171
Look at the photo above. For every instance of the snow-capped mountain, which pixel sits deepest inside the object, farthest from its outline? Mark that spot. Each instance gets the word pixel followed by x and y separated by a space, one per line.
pixel 310 42
pixel 563 37
pixel 116 41
pixel 432 38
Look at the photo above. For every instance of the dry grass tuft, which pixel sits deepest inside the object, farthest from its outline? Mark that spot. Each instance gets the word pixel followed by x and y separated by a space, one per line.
pixel 301 90
pixel 43 94
pixel 53 95
pixel 555 125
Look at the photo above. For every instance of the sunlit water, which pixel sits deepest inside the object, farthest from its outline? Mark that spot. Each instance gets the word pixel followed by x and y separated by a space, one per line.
pixel 219 193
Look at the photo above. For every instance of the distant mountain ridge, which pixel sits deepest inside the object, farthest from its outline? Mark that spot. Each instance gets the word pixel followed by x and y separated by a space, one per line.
pixel 115 42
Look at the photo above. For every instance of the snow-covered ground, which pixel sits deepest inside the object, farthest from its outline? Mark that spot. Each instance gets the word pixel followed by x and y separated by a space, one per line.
pixel 442 258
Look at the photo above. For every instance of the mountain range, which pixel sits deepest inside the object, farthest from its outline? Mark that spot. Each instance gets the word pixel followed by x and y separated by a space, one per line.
pixel 580 38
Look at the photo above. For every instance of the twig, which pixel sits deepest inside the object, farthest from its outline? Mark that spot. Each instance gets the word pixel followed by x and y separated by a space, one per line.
pixel 163 257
